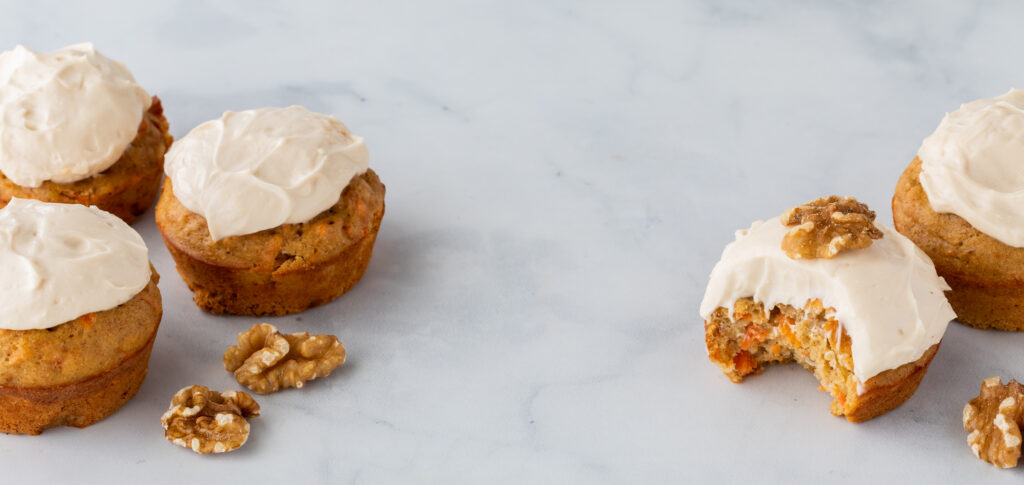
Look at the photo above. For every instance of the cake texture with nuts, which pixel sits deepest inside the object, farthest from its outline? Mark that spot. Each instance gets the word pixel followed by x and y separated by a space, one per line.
pixel 857 304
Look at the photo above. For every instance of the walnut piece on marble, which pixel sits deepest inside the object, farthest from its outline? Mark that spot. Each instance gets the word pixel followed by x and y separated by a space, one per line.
pixel 993 421
pixel 266 360
pixel 208 421
pixel 828 226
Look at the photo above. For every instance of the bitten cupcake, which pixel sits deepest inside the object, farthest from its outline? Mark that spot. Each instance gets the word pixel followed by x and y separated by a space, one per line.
pixel 76 128
pixel 79 311
pixel 857 304
pixel 962 201
pixel 270 211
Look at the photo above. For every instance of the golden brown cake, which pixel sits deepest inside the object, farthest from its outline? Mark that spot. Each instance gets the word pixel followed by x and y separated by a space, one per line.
pixel 270 211
pixel 76 128
pixel 78 372
pixel 750 339
pixel 79 310
pixel 858 305
pixel 277 271
pixel 986 276
pixel 126 189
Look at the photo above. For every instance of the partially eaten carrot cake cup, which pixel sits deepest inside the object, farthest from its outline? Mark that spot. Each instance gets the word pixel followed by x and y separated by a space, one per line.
pixel 79 311
pixel 75 128
pixel 856 304
pixel 270 211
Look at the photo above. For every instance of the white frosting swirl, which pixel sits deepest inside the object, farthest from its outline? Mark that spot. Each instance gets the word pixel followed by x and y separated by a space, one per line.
pixel 65 115
pixel 257 169
pixel 61 261
pixel 887 296
pixel 973 166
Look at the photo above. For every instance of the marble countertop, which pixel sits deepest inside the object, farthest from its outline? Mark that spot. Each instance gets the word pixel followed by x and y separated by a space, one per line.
pixel 561 178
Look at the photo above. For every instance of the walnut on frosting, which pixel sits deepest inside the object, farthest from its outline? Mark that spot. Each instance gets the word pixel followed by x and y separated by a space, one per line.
pixel 208 421
pixel 993 421
pixel 266 360
pixel 828 226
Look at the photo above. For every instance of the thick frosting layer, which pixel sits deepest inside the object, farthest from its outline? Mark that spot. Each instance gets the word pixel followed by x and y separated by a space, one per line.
pixel 257 169
pixel 61 261
pixel 65 115
pixel 887 296
pixel 973 166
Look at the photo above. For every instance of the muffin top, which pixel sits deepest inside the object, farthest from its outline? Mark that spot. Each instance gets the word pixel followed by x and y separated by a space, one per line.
pixel 886 296
pixel 61 261
pixel 973 166
pixel 65 115
pixel 258 169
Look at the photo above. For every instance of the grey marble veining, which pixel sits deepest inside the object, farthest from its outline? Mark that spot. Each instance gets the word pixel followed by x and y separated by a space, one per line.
pixel 561 178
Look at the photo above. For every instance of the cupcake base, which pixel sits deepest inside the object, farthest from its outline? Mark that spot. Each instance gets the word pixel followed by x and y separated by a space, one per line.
pixel 78 372
pixel 986 276
pixel 247 291
pixel 126 189
pixel 279 271
pixel 34 409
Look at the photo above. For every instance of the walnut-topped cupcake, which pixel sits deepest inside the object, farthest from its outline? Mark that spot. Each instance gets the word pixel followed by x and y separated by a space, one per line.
pixel 76 128
pixel 270 211
pixel 855 303
pixel 79 311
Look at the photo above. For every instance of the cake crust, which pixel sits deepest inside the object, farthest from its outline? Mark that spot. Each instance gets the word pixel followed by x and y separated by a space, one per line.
pixel 278 271
pixel 98 368
pixel 986 275
pixel 126 189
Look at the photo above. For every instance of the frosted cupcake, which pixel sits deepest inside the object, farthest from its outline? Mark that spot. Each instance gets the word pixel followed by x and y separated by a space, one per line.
pixel 858 305
pixel 962 201
pixel 270 211
pixel 76 128
pixel 79 311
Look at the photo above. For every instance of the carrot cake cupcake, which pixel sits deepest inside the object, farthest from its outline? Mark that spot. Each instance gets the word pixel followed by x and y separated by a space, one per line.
pixel 79 310
pixel 962 201
pixel 270 211
pixel 857 304
pixel 76 128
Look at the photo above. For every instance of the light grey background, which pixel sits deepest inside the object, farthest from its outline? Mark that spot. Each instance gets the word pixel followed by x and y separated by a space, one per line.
pixel 561 178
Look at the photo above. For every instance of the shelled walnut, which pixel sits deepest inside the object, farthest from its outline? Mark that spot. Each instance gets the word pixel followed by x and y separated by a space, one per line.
pixel 209 421
pixel 994 419
pixel 266 360
pixel 827 227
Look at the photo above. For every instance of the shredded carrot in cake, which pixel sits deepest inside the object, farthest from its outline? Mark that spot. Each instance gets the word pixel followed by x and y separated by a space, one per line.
pixel 754 335
pixel 744 362
pixel 786 329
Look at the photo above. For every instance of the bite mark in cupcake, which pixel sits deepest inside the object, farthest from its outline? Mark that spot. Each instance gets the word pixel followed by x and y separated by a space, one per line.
pixel 866 322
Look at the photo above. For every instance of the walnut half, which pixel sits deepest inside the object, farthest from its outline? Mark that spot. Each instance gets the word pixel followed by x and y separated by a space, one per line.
pixel 993 421
pixel 209 421
pixel 827 227
pixel 266 360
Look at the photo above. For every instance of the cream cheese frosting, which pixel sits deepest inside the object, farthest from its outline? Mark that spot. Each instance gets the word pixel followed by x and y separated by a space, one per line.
pixel 887 296
pixel 257 169
pixel 61 261
pixel 65 115
pixel 973 166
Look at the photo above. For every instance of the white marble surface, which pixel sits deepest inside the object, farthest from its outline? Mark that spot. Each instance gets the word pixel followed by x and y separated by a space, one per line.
pixel 561 178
